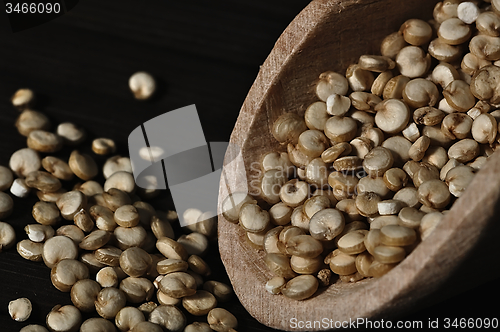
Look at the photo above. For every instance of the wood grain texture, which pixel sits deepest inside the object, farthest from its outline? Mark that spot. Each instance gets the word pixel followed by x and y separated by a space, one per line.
pixel 323 37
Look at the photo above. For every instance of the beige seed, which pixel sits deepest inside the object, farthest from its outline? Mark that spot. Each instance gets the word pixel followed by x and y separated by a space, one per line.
pixel 30 120
pixel 436 155
pixel 358 78
pixel 394 87
pixel 24 161
pixel 453 31
pixel 443 74
pixel 410 217
pixel 115 164
pixel 442 51
pixel 95 240
pixel 471 63
pixel 375 185
pixel 312 143
pixel 413 62
pixel 389 254
pixel 137 290
pixel 372 240
pixel 42 181
pixel 484 128
pixel 20 309
pixel 146 327
pixel 108 277
pixel 488 23
pixel 347 163
pixel 44 141
pixel 278 161
pixel 67 272
pixel 376 63
pixel 392 115
pixel 392 44
pixel 71 134
pixel 221 320
pixel 485 47
pixel 425 172
pixel 420 92
pixel 300 287
pixel 97 324
pixel 353 242
pixel 428 116
pixel 380 82
pixel 135 261
pixel 171 249
pixel 108 255
pixel 58 248
pixel 395 178
pixel 109 301
pixel 326 224
pixel 458 178
pixel 378 269
pixel 6 178
pixel 221 291
pixel 416 32
pixel 287 128
pixel 294 193
pixel 115 198
pixel 411 132
pixel 378 161
pixel 361 146
pixel 459 96
pixel 399 147
pixel 103 217
pixel 418 149
pixel 315 116
pixel 331 83
pixel 340 129
pixel 390 206
pixel 103 146
pixel 464 150
pixel 342 263
pixel 396 235
pixel 271 183
pixel 275 285
pixel 120 180
pixel 337 105
pixel 128 317
pixel 6 205
pixel 279 265
pixel 484 85
pixel 84 293
pixel 63 318
pixel 23 98
pixel 428 223
pixel 200 303
pixel 367 204
pixel 334 152
pixel 409 196
pixel 178 284
pixel 317 173
pixel 434 193
pixel 30 250
pixel 39 233
pixel 363 262
pixel 82 165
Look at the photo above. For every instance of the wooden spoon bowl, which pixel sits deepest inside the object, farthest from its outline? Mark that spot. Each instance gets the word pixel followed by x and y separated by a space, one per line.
pixel 459 254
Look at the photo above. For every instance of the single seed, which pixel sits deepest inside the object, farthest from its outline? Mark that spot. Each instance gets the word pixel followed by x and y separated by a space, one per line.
pixel 420 92
pixel 221 320
pixel 58 248
pixel 392 115
pixel 84 293
pixel 287 128
pixel 337 105
pixel 178 285
pixel 82 165
pixel 64 318
pixel 142 85
pixel 24 161
pixel 20 309
pixel 6 205
pixel 275 285
pixel 410 217
pixel 128 317
pixel 315 117
pixel 67 272
pixel 279 265
pixel 30 120
pixel 42 181
pixel 392 44
pixel 484 84
pixel 376 63
pixel 359 79
pixel 221 291
pixel 103 146
pixel 109 302
pixel 334 152
pixel 453 31
pixel 115 164
pixel 300 287
pixel 353 242
pixel 331 83
pixel 71 134
pixel 484 128
pixel 95 240
pixel 413 62
pixel 442 51
pixel 200 303
pixel 194 243
pixel 44 141
pixel 30 250
pixel 121 180
pixel 340 129
pixel 396 235
pixel 394 87
pixel 342 263
pixel 271 183
pixel 459 96
pixel 97 324
pixel 458 178
pixel 389 254
pixel 137 290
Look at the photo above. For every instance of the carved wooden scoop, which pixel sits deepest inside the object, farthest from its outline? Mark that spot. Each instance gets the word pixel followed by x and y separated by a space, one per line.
pixel 459 254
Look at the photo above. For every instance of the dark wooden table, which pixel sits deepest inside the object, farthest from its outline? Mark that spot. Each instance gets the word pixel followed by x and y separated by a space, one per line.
pixel 201 52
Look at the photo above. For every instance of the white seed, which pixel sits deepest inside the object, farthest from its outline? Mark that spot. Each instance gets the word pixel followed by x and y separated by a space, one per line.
pixel 390 206
pixel 471 63
pixel 392 115
pixel 484 128
pixel 418 149
pixel 58 248
pixel 331 83
pixel 23 98
pixel 109 301
pixel 411 132
pixel 103 217
pixel 453 31
pixel 128 317
pixel 39 233
pixel 340 129
pixel 416 32
pixel 142 85
pixel 408 195
pixel 19 188
pixel 443 74
pixel 24 161
pixel 359 79
pixel 464 150
pixel 20 309
pixel 399 147
pixel 278 161
pixel 420 92
pixel 67 272
pixel 468 12
pixel 413 62
pixel 115 164
pixel 316 116
pixel 64 318
pixel 107 277
pixel 373 134
pixel 361 146
pixel 337 105
pixel 442 51
pixel 410 217
pixel 429 223
pixel 120 180
pixel 458 178
pixel 71 134
pixel 377 161
pixel 445 10
pixel 33 328
pixel 171 249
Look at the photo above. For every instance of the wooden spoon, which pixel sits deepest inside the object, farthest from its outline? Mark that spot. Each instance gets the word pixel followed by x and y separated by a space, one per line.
pixel 459 254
